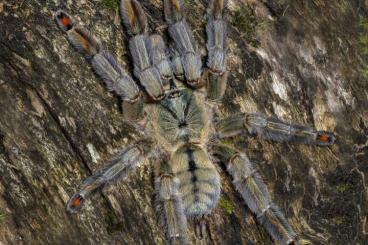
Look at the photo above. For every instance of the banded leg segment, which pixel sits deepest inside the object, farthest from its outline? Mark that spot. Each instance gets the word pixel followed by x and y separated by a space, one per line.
pixel 176 65
pixel 103 63
pixel 254 192
pixel 216 46
pixel 273 129
pixel 169 206
pixel 118 168
pixel 185 43
pixel 216 37
pixel 158 55
pixel 135 22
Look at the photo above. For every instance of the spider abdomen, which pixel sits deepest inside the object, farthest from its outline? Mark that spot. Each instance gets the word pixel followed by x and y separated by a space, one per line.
pixel 199 180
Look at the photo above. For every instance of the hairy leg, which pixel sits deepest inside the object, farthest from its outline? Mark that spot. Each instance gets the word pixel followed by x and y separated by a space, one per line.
pixel 216 46
pixel 135 21
pixel 216 85
pixel 133 112
pixel 169 206
pixel 118 168
pixel 254 192
pixel 273 129
pixel 103 63
pixel 185 43
pixel 176 65
pixel 158 54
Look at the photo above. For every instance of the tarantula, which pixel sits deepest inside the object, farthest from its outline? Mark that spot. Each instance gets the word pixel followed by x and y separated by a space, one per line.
pixel 175 105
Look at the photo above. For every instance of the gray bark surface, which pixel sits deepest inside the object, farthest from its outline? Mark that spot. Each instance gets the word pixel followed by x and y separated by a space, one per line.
pixel 302 61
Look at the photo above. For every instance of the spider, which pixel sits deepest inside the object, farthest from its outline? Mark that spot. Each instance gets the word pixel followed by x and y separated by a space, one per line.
pixel 175 104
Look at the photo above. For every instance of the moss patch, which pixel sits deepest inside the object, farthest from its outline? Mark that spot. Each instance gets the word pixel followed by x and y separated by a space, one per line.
pixel 2 217
pixel 338 220
pixel 245 20
pixel 111 4
pixel 226 205
pixel 344 187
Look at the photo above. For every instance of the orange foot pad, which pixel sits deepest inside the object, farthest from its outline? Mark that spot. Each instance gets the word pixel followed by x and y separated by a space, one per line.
pixel 324 138
pixel 78 200
pixel 64 21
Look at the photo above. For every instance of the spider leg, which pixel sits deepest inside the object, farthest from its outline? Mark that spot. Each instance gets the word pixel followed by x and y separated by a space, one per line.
pixel 103 63
pixel 169 206
pixel 177 69
pixel 133 111
pixel 158 54
pixel 200 227
pixel 118 168
pixel 216 45
pixel 135 21
pixel 273 129
pixel 176 65
pixel 185 43
pixel 254 192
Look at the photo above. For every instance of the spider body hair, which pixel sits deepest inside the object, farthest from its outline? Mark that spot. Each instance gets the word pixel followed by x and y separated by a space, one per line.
pixel 175 62
pixel 173 10
pixel 103 63
pixel 180 131
pixel 80 38
pixel 216 85
pixel 64 21
pixel 199 180
pixel 158 54
pixel 276 225
pixel 274 129
pixel 147 74
pixel 133 17
pixel 181 118
pixel 248 183
pixel 254 191
pixel 115 77
pixel 185 43
pixel 134 111
pixel 216 9
pixel 135 20
pixel 216 36
pixel 83 41
pixel 170 207
pixel 119 167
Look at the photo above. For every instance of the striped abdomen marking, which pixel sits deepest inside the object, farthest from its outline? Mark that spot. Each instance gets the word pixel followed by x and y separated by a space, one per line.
pixel 199 180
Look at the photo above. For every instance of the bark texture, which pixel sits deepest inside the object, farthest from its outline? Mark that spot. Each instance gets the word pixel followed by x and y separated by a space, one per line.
pixel 302 61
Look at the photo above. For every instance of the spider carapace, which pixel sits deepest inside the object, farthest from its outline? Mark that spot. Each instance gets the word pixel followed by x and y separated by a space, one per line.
pixel 174 102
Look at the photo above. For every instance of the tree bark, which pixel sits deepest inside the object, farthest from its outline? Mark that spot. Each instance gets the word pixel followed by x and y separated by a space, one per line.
pixel 302 61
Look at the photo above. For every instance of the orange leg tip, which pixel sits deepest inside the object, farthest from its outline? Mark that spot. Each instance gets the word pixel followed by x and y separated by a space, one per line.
pixel 64 21
pixel 324 138
pixel 77 202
